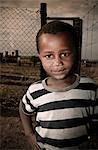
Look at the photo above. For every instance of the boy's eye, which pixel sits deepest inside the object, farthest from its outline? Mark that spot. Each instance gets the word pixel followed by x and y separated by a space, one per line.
pixel 65 54
pixel 49 56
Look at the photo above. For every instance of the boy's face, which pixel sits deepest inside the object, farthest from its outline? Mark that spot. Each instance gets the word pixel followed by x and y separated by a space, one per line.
pixel 56 53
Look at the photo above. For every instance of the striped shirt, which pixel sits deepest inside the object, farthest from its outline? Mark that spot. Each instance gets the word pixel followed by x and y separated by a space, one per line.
pixel 63 117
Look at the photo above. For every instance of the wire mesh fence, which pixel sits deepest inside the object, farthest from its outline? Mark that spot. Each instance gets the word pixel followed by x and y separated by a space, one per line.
pixel 18 56
pixel 90 42
pixel 18 29
pixel 90 35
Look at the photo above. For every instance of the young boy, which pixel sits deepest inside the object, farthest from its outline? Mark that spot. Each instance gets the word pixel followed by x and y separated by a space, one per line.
pixel 64 102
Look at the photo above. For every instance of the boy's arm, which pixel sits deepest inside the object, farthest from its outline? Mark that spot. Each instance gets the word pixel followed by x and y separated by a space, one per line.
pixel 28 128
pixel 95 119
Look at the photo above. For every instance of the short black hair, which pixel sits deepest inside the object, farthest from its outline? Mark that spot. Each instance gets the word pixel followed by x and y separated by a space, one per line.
pixel 55 27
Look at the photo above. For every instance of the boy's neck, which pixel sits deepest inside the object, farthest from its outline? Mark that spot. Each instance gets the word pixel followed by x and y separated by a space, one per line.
pixel 53 83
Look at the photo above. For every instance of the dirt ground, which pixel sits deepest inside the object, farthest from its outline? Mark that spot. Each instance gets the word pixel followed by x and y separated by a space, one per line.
pixel 11 132
pixel 12 135
pixel 14 81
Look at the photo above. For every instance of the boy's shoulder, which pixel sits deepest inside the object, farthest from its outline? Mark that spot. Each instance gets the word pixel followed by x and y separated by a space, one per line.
pixel 85 79
pixel 88 83
pixel 35 86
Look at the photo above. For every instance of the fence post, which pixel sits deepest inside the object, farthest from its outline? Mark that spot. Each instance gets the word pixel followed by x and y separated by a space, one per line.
pixel 43 14
pixel 77 23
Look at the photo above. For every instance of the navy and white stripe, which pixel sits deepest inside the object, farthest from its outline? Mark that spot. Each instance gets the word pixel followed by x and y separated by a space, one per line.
pixel 63 117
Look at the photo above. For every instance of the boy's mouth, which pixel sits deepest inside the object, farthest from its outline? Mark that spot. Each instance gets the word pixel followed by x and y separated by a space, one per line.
pixel 58 71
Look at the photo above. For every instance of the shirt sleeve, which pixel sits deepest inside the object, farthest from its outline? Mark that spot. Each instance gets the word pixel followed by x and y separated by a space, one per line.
pixel 95 115
pixel 28 104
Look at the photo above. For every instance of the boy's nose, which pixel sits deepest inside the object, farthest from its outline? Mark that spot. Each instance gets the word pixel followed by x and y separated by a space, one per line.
pixel 58 61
